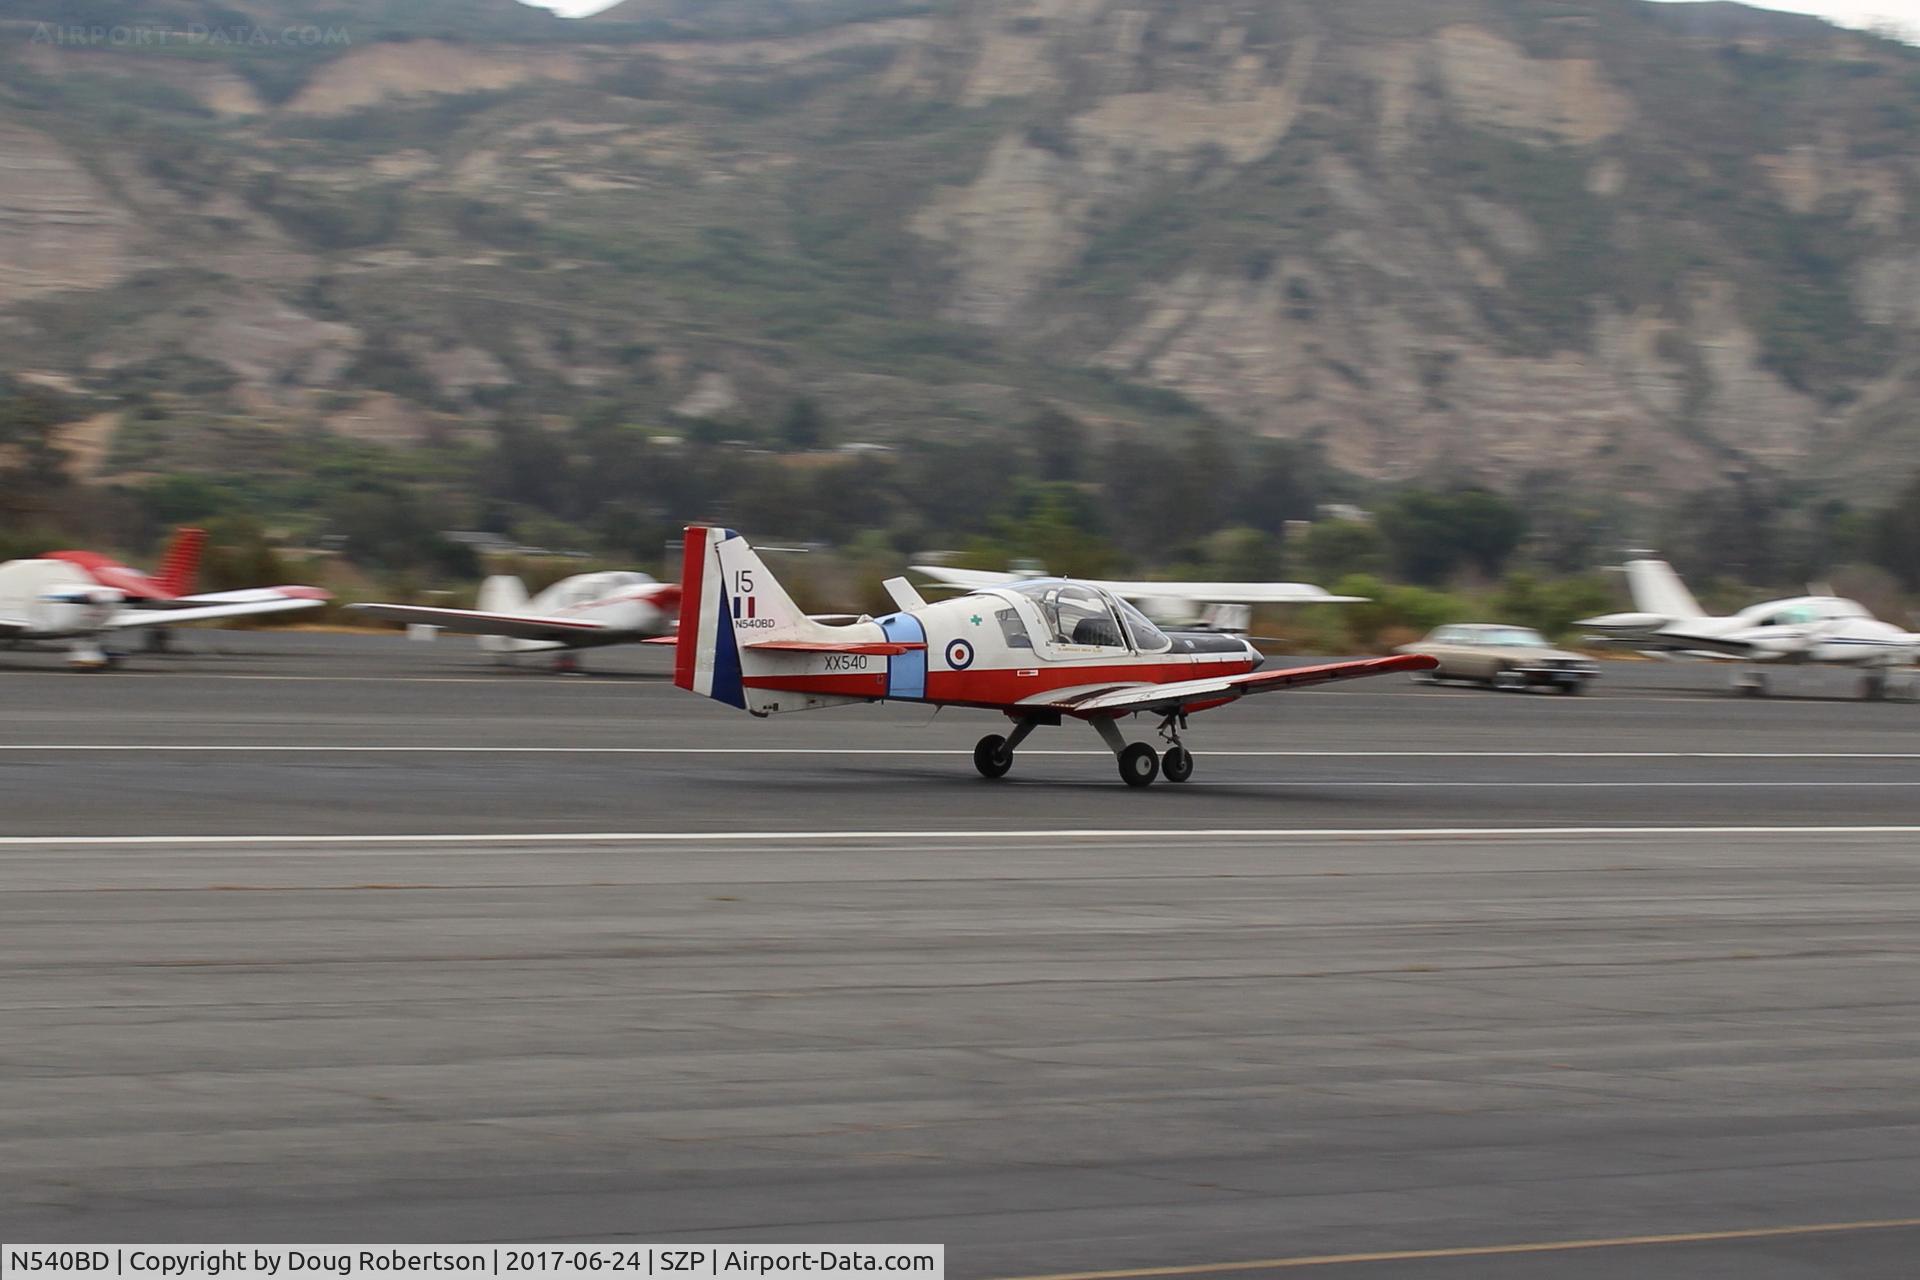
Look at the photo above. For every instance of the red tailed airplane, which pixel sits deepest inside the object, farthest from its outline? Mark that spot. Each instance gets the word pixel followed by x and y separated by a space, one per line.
pixel 172 586
pixel 1037 651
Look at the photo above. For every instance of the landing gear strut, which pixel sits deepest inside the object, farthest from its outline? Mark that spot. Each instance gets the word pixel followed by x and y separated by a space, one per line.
pixel 1176 763
pixel 993 754
pixel 1139 762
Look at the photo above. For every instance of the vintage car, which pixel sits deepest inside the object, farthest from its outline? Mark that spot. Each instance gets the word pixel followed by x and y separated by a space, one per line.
pixel 1503 657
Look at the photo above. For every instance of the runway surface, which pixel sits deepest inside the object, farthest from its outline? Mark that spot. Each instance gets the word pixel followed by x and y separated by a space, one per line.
pixel 344 938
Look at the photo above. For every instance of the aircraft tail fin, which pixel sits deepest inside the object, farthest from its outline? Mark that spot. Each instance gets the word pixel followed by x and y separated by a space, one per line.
pixel 729 601
pixel 503 593
pixel 181 565
pixel 1658 589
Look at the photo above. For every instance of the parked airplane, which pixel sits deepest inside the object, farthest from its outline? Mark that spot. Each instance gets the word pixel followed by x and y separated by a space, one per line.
pixel 1819 629
pixel 172 587
pixel 1228 605
pixel 586 611
pixel 53 600
pixel 1037 651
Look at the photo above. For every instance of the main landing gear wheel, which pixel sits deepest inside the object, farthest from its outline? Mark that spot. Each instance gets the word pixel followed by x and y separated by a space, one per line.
pixel 1139 765
pixel 992 757
pixel 1176 764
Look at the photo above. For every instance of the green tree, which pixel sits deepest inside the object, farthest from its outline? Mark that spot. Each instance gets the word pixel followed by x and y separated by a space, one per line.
pixel 1332 549
pixel 1392 614
pixel 528 465
pixel 1061 531
pixel 184 499
pixel 1435 535
pixel 1240 554
pixel 803 426
pixel 1551 606
pixel 1059 444
pixel 239 554
pixel 33 469
pixel 1894 538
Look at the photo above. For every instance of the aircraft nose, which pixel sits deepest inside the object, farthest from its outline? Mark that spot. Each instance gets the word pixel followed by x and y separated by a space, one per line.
pixel 1258 657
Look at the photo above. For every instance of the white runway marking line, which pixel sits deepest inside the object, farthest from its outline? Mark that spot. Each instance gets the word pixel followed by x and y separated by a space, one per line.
pixel 1068 833
pixel 1324 784
pixel 658 682
pixel 951 752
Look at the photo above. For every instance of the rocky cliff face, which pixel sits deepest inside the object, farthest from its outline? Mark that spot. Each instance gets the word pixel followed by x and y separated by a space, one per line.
pixel 1590 242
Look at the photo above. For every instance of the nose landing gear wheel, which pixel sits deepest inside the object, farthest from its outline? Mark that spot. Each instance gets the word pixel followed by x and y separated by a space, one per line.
pixel 992 757
pixel 1139 765
pixel 1176 765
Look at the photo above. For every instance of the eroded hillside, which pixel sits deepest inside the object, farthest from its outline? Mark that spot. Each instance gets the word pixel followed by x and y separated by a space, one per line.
pixel 1522 241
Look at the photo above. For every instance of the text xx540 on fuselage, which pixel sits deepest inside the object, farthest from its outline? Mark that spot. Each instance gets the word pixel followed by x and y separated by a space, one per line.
pixel 1039 652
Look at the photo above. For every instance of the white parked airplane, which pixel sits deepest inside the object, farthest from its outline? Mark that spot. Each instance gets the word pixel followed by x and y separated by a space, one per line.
pixel 54 600
pixel 1822 629
pixel 1229 604
pixel 586 611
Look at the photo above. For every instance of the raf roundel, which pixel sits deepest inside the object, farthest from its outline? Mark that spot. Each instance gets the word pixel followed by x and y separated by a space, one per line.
pixel 959 655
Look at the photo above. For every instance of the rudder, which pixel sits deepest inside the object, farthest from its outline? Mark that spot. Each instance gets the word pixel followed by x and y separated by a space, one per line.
pixel 726 590
pixel 1658 589
pixel 504 593
pixel 181 565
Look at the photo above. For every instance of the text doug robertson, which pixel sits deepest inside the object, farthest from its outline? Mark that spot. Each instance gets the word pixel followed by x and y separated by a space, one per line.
pixel 217 1262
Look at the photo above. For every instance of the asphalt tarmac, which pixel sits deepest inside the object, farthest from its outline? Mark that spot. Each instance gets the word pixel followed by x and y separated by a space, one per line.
pixel 322 938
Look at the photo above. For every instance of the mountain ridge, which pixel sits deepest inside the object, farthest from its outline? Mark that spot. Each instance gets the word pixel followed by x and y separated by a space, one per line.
pixel 1593 244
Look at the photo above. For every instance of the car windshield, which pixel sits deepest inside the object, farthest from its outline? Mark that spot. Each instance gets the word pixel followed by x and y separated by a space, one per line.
pixel 1512 637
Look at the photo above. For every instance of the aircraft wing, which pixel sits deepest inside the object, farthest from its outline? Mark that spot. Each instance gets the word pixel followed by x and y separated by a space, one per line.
pixel 130 618
pixel 1249 593
pixel 971 579
pixel 1190 695
pixel 1228 592
pixel 521 626
pixel 248 595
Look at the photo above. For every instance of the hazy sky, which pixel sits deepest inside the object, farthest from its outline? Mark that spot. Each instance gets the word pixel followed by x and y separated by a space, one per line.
pixel 1854 13
pixel 1857 13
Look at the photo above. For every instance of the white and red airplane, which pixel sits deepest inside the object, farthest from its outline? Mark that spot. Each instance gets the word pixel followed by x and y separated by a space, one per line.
pixel 52 600
pixel 1824 630
pixel 586 611
pixel 172 587
pixel 1038 651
